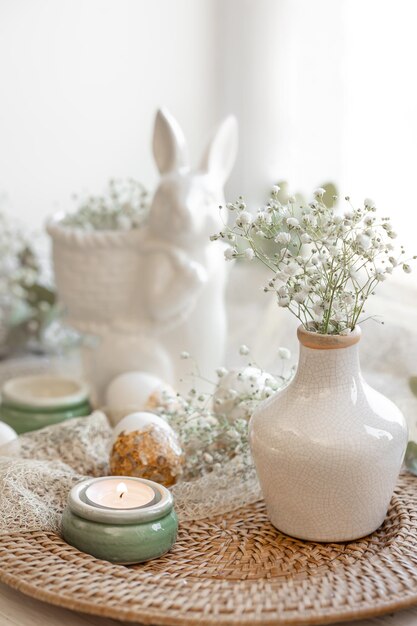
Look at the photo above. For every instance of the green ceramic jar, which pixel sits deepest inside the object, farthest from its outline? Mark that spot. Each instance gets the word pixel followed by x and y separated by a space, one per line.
pixel 32 402
pixel 120 535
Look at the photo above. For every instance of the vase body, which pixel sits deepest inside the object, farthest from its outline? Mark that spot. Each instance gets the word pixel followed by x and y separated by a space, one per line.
pixel 328 449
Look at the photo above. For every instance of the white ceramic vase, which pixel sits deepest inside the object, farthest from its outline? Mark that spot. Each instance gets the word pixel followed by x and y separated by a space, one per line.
pixel 328 449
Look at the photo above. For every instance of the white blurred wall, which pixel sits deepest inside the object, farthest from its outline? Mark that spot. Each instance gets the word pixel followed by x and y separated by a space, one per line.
pixel 322 90
pixel 80 81
pixel 282 74
pixel 380 109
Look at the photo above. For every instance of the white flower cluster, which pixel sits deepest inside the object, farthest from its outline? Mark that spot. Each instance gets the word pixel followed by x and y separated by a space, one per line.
pixel 324 264
pixel 124 206
pixel 213 428
pixel 20 272
pixel 10 248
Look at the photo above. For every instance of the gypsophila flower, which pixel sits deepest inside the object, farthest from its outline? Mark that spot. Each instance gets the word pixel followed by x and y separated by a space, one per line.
pixel 27 298
pixel 293 222
pixel 229 254
pixel 213 427
pixel 325 263
pixel 363 241
pixel 291 269
pixel 300 296
pixel 243 219
pixel 318 308
pixel 124 206
pixel 369 220
pixel 185 355
pixel 284 354
pixel 380 274
pixel 248 254
pixel 244 350
pixel 283 238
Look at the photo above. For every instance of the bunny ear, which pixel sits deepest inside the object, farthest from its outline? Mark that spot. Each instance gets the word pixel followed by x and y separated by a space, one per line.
pixel 169 145
pixel 221 152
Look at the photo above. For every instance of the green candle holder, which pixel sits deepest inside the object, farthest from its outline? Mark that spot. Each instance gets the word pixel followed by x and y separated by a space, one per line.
pixel 32 402
pixel 120 535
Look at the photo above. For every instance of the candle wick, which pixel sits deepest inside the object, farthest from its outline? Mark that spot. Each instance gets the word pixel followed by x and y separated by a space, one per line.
pixel 121 495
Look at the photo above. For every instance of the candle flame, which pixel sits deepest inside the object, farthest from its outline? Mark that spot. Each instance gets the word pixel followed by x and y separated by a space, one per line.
pixel 121 489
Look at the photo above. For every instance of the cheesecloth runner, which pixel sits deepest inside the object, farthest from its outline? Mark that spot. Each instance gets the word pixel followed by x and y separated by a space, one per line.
pixel 38 469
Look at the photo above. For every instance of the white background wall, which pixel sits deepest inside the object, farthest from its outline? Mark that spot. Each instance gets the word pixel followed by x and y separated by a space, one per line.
pixel 380 108
pixel 282 76
pixel 80 81
pixel 322 90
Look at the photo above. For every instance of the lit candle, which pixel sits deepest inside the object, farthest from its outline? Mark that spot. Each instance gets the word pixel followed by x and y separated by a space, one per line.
pixel 116 494
pixel 120 519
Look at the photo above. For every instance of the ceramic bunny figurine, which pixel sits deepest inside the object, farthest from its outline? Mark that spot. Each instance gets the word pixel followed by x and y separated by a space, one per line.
pixel 185 272
pixel 146 295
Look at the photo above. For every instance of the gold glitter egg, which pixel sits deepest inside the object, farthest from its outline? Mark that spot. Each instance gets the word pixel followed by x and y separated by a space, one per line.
pixel 145 446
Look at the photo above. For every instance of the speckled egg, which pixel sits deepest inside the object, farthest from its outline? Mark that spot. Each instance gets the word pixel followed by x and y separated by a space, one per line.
pixel 240 389
pixel 144 445
pixel 138 391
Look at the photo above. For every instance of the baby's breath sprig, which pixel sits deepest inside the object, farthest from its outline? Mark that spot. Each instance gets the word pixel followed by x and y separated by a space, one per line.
pixel 124 206
pixel 324 264
pixel 27 300
pixel 213 427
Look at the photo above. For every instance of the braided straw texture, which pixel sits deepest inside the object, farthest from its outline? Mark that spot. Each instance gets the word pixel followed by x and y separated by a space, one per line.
pixel 228 570
pixel 96 273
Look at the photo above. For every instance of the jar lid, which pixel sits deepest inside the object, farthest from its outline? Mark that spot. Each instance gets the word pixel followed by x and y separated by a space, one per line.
pixel 44 392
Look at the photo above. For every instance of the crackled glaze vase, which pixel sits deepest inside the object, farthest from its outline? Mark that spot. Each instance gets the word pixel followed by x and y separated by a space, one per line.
pixel 328 449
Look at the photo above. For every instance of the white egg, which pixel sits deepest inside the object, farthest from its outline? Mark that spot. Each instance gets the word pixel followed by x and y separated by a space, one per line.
pixel 131 388
pixel 240 389
pixel 7 434
pixel 139 422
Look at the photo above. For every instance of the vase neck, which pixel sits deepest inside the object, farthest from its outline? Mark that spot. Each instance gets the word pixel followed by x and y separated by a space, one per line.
pixel 328 368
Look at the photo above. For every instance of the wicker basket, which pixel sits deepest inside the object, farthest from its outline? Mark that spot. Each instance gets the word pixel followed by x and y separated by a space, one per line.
pixel 97 274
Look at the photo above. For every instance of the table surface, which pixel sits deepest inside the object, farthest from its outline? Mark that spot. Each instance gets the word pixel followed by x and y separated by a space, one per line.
pixel 19 610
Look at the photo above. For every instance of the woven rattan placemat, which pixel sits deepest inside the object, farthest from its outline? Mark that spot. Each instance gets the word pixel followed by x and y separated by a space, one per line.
pixel 231 569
